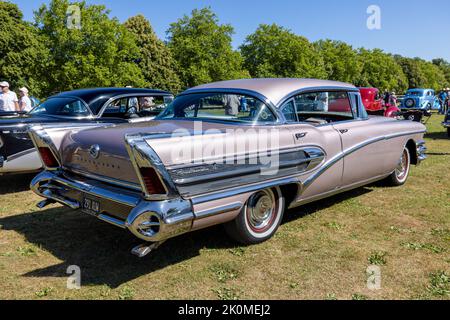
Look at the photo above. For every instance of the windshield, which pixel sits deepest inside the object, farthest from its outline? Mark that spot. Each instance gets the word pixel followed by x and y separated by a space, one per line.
pixel 69 107
pixel 218 106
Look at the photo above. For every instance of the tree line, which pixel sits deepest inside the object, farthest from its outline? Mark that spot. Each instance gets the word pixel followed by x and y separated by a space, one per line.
pixel 48 57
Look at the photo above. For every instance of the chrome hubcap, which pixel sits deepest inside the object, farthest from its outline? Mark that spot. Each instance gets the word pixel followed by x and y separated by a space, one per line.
pixel 261 210
pixel 402 167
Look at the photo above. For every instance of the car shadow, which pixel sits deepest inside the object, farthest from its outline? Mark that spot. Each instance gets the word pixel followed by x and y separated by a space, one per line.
pixel 310 208
pixel 102 251
pixel 15 183
pixel 437 135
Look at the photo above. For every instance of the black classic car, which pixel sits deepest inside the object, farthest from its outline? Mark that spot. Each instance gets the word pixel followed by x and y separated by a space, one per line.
pixel 78 108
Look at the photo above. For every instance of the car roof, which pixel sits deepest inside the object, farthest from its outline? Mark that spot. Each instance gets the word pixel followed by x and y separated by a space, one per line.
pixel 97 97
pixel 420 90
pixel 274 89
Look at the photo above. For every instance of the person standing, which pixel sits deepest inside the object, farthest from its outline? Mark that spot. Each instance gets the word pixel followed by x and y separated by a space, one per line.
pixel 231 104
pixel 442 101
pixel 25 101
pixel 8 99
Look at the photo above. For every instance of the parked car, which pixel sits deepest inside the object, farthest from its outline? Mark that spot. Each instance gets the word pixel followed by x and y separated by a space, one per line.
pixel 209 159
pixel 85 108
pixel 375 105
pixel 418 103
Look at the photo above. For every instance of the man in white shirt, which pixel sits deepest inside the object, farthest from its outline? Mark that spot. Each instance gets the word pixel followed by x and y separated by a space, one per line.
pixel 25 101
pixel 8 99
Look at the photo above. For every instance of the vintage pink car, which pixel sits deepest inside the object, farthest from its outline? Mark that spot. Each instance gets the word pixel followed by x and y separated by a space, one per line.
pixel 236 153
pixel 375 104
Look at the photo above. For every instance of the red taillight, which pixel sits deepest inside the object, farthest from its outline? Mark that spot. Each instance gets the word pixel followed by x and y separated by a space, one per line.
pixel 152 182
pixel 48 158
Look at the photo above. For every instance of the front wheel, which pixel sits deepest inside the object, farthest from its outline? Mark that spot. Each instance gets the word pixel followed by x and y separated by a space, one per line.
pixel 401 173
pixel 259 219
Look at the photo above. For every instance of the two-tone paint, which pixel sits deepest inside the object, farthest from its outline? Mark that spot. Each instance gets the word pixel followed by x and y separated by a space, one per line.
pixel 317 160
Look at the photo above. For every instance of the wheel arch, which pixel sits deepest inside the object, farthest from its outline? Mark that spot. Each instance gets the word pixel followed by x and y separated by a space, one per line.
pixel 290 193
pixel 412 148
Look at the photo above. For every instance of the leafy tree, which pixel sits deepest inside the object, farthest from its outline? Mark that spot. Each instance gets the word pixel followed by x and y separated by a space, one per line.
pixel 157 63
pixel 202 49
pixel 422 74
pixel 340 60
pixel 381 70
pixel 413 71
pixel 444 66
pixel 273 51
pixel 101 53
pixel 20 50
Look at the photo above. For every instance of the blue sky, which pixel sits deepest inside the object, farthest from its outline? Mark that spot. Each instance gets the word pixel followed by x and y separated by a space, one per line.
pixel 408 27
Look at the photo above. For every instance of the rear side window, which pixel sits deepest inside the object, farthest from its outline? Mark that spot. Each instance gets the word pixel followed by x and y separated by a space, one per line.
pixel 337 103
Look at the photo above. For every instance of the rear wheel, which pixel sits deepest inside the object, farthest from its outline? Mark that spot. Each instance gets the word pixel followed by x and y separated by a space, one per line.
pixel 448 132
pixel 401 173
pixel 259 219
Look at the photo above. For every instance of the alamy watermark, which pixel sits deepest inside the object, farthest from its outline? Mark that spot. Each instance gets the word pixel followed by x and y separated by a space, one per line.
pixel 374 19
pixel 373 277
pixel 74 280
pixel 229 147
pixel 73 17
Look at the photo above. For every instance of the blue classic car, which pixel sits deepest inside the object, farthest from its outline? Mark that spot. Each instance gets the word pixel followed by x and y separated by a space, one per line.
pixel 420 99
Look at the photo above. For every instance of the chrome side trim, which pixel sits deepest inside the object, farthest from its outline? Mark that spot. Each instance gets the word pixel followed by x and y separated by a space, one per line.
pixel 351 150
pixel 241 170
pixel 219 210
pixel 21 154
pixel 327 194
pixel 245 189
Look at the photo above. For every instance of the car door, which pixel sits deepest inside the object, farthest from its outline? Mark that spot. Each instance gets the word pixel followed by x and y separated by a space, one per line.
pixel 319 181
pixel 363 158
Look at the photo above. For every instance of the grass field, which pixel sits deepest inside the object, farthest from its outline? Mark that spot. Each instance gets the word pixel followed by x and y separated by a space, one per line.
pixel 321 251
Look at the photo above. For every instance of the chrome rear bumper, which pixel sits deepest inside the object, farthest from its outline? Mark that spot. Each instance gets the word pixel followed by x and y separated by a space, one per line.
pixel 148 220
pixel 446 124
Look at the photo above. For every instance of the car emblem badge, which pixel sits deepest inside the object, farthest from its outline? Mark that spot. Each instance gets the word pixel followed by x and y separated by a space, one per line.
pixel 94 151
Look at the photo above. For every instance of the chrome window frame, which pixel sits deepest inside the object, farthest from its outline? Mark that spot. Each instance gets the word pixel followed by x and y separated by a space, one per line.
pixel 127 95
pixel 349 91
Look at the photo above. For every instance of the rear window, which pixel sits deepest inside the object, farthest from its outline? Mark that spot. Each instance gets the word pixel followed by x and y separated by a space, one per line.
pixel 68 107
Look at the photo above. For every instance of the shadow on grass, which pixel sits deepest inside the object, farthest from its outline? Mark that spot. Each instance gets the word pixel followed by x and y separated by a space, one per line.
pixel 103 251
pixel 15 183
pixel 437 135
pixel 313 207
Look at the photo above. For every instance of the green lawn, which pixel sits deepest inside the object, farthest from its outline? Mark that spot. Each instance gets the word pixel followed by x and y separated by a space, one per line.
pixel 321 251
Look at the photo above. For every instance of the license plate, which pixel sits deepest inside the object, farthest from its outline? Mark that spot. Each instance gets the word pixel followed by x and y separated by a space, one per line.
pixel 91 207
